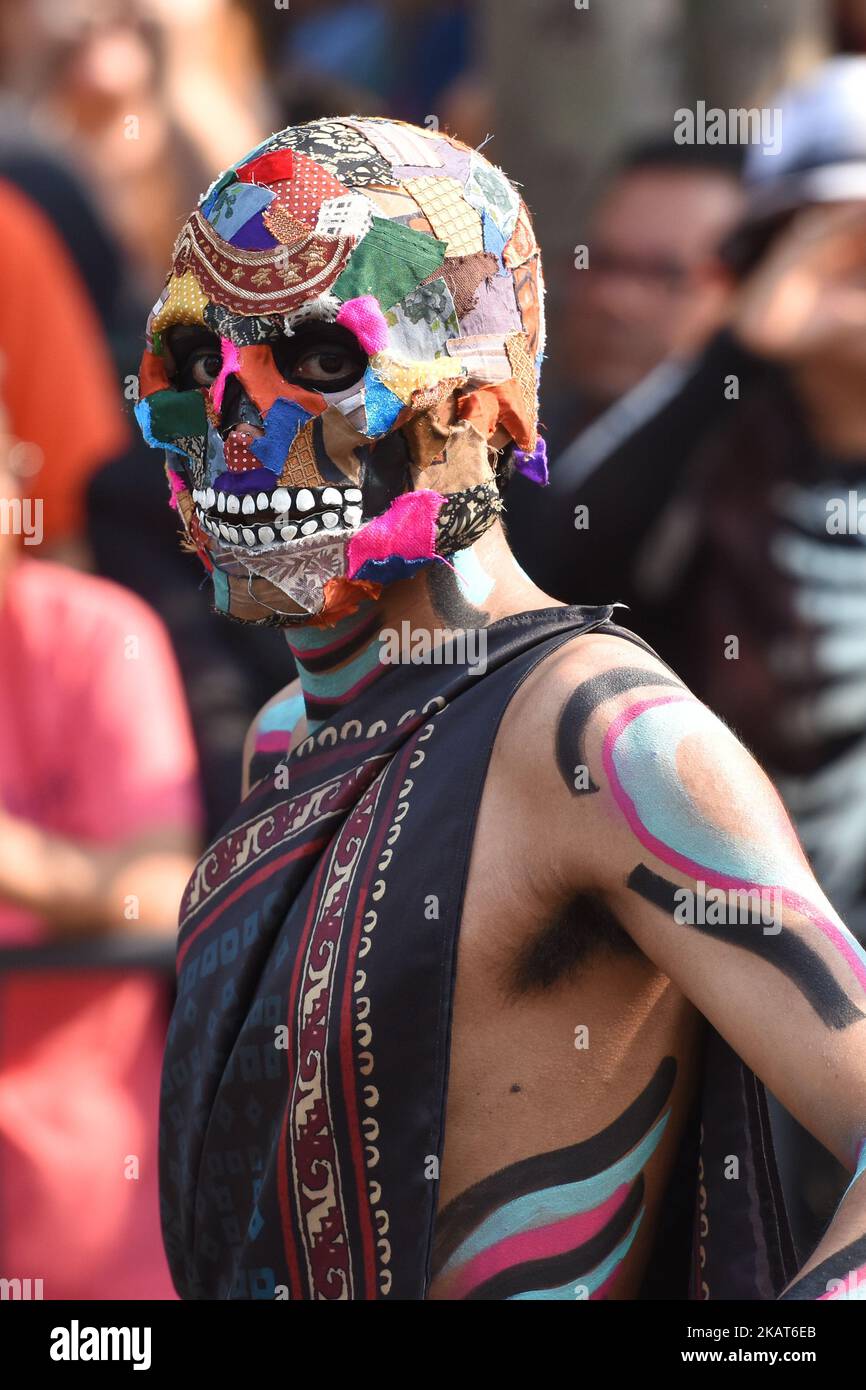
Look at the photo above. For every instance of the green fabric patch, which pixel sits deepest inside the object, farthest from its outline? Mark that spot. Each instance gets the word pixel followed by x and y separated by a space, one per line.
pixel 389 263
pixel 228 177
pixel 175 413
pixel 158 347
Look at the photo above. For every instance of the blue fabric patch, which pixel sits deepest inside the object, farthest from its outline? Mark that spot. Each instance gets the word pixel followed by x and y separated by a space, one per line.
pixel 220 590
pixel 387 571
pixel 254 235
pixel 235 205
pixel 382 405
pixel 282 423
pixel 493 240
pixel 142 415
pixel 222 182
pixel 215 457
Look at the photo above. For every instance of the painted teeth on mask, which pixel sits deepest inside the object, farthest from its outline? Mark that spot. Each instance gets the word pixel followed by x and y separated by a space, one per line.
pixel 261 519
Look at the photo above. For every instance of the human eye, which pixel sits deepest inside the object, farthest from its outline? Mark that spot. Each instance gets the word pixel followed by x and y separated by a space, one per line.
pixel 196 358
pixel 326 357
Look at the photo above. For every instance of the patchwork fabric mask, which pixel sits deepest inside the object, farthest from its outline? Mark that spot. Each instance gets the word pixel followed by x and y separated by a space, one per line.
pixel 351 331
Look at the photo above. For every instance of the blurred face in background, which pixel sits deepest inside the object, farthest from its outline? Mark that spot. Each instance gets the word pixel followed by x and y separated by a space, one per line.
pixel 652 287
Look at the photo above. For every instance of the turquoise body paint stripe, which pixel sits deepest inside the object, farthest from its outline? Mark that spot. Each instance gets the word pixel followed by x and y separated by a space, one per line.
pixel 858 1172
pixel 335 683
pixel 284 715
pixel 312 639
pixel 645 759
pixel 556 1203
pixel 590 1281
pixel 474 581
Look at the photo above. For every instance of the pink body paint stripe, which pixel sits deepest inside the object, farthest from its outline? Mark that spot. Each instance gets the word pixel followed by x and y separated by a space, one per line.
pixel 538 1244
pixel 702 871
pixel 603 1289
pixel 274 741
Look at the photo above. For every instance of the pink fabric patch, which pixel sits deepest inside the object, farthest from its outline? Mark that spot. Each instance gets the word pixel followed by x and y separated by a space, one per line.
pixel 365 319
pixel 176 484
pixel 407 529
pixel 231 362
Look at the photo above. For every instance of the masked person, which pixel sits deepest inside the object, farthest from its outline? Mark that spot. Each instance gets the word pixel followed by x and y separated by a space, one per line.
pixel 449 979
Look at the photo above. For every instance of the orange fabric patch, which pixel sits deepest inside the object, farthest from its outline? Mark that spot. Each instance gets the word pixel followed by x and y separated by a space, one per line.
pixel 503 404
pixel 264 384
pixel 482 408
pixel 342 598
pixel 528 292
pixel 522 243
pixel 152 374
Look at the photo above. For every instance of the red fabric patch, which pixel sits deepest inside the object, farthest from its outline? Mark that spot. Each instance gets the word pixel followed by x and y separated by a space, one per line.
pixel 279 164
pixel 239 458
pixel 309 187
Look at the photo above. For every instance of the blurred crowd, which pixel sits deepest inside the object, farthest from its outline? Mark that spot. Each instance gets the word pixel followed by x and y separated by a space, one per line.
pixel 706 415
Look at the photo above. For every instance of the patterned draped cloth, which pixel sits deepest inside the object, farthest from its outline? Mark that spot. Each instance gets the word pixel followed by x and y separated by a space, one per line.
pixel 305 1074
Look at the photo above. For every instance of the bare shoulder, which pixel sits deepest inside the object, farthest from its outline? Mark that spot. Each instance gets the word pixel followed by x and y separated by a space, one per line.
pixel 280 723
pixel 590 675
pixel 603 722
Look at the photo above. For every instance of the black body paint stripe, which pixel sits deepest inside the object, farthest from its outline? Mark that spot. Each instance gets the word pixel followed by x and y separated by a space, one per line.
pixel 321 710
pixel 563 1269
pixel 571 1164
pixel 580 706
pixel 337 655
pixel 448 602
pixel 785 950
pixel 838 1266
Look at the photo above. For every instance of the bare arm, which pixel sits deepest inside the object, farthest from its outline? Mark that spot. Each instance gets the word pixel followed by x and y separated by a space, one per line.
pixel 671 821
pixel 278 725
pixel 82 889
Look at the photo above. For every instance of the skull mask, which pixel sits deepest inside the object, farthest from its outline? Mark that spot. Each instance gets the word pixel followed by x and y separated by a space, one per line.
pixel 350 333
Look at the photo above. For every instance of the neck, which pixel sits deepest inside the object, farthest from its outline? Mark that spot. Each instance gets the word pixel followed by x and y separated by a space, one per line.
pixel 475 588
pixel 832 399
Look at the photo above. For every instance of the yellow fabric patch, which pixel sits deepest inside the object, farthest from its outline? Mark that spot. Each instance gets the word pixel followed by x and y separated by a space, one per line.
pixel 185 303
pixel 404 378
pixel 453 220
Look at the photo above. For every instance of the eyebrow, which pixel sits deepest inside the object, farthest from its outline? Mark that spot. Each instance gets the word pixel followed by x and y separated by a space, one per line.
pixel 184 338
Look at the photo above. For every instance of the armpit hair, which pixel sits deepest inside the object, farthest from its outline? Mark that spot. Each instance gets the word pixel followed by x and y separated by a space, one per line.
pixel 584 927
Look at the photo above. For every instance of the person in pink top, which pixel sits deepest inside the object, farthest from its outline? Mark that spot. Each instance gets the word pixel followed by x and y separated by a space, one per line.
pixel 99 821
